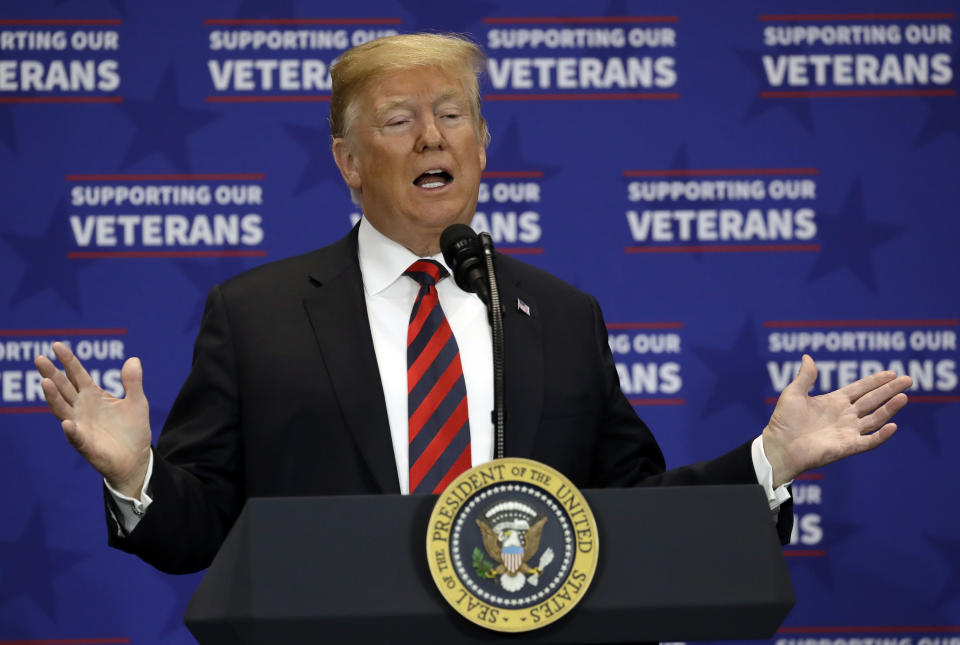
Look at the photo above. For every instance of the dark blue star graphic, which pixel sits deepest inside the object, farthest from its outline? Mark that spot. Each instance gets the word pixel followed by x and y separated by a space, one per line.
pixel 849 240
pixel 8 133
pixel 681 162
pixel 119 5
pixel 942 117
pixel 162 124
pixel 320 166
pixel 799 108
pixel 446 16
pixel 615 9
pixel 948 548
pixel 920 419
pixel 203 274
pixel 740 374
pixel 507 154
pixel 266 9
pixel 28 566
pixel 182 588
pixel 47 265
pixel 835 532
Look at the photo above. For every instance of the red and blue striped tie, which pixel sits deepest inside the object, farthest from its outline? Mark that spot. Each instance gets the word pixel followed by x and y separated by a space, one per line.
pixel 439 429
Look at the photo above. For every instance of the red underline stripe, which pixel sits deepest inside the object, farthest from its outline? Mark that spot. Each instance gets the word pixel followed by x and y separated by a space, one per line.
pixel 67 641
pixel 550 20
pixel 723 248
pixel 644 325
pixel 107 331
pixel 61 99
pixel 270 98
pixel 933 398
pixel 521 250
pixel 720 172
pixel 657 401
pixel 62 22
pixel 821 94
pixel 882 629
pixel 241 22
pixel 798 17
pixel 907 322
pixel 223 176
pixel 809 477
pixel 96 255
pixel 804 553
pixel 25 409
pixel 512 174
pixel 583 96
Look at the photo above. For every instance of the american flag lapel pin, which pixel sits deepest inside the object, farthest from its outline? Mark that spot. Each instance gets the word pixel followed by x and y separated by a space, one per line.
pixel 523 307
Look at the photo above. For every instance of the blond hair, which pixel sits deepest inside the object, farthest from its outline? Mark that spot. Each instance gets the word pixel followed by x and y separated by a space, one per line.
pixel 358 66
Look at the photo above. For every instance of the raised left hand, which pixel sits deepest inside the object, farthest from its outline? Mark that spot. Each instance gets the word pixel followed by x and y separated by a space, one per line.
pixel 807 432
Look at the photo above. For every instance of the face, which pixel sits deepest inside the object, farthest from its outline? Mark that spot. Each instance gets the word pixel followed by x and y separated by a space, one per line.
pixel 414 154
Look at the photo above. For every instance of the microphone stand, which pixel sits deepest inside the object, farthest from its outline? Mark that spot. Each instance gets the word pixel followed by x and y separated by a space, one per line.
pixel 495 313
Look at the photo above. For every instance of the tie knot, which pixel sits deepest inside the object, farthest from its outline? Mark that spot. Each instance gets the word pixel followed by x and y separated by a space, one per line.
pixel 426 272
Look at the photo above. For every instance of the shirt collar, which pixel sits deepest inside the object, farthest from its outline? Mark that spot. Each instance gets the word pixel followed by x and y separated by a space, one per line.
pixel 383 261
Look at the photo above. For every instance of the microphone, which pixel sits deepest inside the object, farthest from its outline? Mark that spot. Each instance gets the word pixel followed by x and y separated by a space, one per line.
pixel 463 253
pixel 471 259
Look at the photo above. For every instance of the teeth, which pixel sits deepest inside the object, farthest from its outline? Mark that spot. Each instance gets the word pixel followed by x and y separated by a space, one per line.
pixel 432 184
pixel 435 171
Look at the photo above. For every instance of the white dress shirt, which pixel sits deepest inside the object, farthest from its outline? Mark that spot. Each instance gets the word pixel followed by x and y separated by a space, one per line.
pixel 390 296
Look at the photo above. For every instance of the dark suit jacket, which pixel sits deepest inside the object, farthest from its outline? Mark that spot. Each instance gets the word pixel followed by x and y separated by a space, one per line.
pixel 284 399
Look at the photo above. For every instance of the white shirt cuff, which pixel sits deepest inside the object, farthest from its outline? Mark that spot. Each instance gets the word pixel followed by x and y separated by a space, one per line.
pixel 775 497
pixel 131 510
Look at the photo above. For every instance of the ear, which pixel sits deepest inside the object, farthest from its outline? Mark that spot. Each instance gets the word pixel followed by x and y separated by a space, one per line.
pixel 483 158
pixel 347 163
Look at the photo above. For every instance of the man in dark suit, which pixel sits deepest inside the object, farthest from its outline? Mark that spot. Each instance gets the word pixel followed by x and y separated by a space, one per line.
pixel 299 382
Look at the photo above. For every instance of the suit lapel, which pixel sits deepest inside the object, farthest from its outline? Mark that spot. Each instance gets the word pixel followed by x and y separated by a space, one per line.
pixel 524 366
pixel 338 314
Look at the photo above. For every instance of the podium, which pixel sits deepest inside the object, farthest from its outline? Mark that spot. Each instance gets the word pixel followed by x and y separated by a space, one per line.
pixel 675 563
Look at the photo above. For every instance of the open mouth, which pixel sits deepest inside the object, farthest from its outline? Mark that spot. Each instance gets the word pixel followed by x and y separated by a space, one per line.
pixel 433 178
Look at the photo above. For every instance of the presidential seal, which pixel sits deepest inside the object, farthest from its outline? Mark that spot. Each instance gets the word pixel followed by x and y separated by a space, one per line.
pixel 512 545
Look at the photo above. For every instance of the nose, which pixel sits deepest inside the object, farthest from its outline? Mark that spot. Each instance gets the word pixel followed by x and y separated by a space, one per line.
pixel 430 136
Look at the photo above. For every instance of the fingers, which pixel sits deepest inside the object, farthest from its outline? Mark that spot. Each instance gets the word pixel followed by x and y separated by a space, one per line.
pixel 73 435
pixel 75 371
pixel 867 384
pixel 49 371
pixel 807 375
pixel 58 405
pixel 883 414
pixel 875 398
pixel 131 375
pixel 871 441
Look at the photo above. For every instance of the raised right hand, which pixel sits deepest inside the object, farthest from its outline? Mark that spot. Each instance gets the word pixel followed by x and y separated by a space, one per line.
pixel 112 434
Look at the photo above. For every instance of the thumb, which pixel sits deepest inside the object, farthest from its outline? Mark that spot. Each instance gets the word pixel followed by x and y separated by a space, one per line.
pixel 131 375
pixel 807 375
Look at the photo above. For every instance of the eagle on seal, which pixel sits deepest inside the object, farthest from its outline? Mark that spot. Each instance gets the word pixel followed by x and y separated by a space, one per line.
pixel 511 549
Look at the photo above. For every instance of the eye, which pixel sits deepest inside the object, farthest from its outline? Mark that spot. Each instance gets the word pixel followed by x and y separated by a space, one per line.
pixel 399 121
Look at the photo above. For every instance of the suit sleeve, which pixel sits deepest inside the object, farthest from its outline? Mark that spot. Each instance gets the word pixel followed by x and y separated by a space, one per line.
pixel 197 482
pixel 628 454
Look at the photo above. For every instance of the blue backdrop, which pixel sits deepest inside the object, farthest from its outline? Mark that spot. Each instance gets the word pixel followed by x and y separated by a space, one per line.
pixel 738 183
